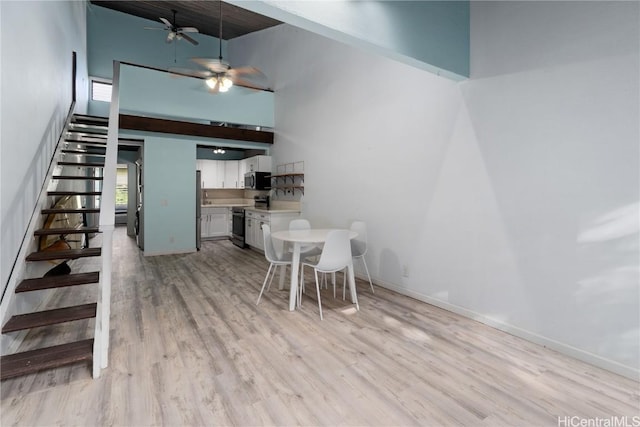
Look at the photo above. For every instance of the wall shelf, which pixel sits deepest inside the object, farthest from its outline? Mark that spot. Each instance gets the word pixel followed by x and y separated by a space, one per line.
pixel 288 178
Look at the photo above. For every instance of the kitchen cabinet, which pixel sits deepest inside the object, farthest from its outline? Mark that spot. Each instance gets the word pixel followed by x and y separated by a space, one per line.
pixel 277 220
pixel 231 178
pixel 214 223
pixel 208 172
pixel 253 228
pixel 220 173
pixel 258 164
pixel 242 169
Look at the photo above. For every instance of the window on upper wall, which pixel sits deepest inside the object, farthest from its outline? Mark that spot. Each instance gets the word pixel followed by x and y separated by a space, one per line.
pixel 100 90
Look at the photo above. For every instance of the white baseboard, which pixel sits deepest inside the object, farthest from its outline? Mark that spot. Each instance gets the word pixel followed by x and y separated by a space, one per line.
pixel 576 353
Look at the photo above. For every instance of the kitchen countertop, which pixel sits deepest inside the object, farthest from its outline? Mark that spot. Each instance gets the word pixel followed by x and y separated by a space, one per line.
pixel 225 205
pixel 271 210
pixel 248 207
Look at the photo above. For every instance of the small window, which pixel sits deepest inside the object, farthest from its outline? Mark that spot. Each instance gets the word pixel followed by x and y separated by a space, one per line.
pixel 100 91
pixel 122 186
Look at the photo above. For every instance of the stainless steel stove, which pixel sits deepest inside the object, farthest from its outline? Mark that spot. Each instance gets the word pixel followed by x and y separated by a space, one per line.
pixel 237 231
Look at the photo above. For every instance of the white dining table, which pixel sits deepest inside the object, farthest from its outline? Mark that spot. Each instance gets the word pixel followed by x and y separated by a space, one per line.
pixel 302 237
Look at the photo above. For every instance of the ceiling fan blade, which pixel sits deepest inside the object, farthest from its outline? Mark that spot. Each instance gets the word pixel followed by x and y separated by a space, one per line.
pixel 247 70
pixel 166 22
pixel 187 72
pixel 189 39
pixel 215 65
pixel 188 30
pixel 247 84
pixel 154 28
pixel 252 76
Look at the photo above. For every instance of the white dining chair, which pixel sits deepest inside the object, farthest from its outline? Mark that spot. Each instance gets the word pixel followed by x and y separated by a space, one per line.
pixel 272 257
pixel 335 256
pixel 359 249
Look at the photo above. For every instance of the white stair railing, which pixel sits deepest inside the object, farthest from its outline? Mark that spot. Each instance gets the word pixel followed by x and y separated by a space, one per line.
pixel 107 225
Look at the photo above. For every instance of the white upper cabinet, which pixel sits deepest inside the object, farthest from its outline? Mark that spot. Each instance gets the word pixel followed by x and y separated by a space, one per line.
pixel 208 173
pixel 230 173
pixel 242 169
pixel 259 164
pixel 220 166
pixel 231 178
pixel 220 173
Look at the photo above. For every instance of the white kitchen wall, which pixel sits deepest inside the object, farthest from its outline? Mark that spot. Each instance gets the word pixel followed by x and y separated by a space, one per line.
pixel 512 197
pixel 37 40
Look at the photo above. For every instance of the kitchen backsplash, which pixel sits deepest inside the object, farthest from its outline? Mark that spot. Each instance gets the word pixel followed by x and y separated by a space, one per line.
pixel 233 196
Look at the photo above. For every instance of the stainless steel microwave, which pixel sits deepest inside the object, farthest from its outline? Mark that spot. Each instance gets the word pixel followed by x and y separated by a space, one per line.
pixel 257 180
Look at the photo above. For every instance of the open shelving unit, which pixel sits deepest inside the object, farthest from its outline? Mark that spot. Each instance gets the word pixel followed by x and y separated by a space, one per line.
pixel 289 177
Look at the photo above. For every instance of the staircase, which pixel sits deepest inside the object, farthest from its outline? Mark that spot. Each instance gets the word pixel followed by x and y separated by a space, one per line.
pixel 77 176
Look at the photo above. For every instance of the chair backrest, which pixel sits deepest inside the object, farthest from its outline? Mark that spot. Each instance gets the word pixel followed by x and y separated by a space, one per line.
pixel 359 244
pixel 269 250
pixel 299 224
pixel 336 253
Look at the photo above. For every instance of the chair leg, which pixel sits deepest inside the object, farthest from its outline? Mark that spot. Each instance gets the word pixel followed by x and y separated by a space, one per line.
pixel 300 285
pixel 344 283
pixel 368 275
pixel 318 293
pixel 265 282
pixel 273 274
pixel 333 282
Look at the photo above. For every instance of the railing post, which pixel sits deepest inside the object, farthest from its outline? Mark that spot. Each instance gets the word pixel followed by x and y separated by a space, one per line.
pixel 107 225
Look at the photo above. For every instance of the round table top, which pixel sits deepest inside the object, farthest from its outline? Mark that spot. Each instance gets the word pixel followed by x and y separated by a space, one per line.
pixel 314 235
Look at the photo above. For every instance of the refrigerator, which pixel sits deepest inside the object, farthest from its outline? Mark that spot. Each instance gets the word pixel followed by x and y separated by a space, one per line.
pixel 198 207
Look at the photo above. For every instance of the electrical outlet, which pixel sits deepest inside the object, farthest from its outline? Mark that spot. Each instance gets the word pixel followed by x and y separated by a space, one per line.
pixel 405 270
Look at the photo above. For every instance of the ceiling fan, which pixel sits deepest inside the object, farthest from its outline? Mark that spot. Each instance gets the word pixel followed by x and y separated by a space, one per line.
pixel 219 75
pixel 175 32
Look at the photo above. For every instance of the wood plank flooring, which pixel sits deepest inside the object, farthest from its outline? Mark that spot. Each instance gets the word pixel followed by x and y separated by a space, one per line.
pixel 190 347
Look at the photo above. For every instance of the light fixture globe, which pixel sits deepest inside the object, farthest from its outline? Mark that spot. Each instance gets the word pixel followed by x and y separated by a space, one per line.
pixel 226 82
pixel 212 82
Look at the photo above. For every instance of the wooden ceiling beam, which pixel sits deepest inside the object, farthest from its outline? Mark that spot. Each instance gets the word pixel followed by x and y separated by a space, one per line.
pixel 149 124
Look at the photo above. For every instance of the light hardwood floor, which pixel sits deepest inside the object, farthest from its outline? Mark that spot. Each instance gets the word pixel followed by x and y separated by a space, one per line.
pixel 189 346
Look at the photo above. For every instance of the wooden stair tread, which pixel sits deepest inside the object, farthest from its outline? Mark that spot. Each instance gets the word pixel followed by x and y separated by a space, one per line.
pixel 87 118
pixel 50 317
pixel 38 284
pixel 57 231
pixel 85 153
pixel 74 193
pixel 84 164
pixel 93 178
pixel 87 131
pixel 66 254
pixel 88 142
pixel 70 210
pixel 75 125
pixel 28 362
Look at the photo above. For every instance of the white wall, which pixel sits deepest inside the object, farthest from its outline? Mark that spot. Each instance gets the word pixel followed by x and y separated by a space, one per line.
pixel 511 198
pixel 37 39
pixel 431 35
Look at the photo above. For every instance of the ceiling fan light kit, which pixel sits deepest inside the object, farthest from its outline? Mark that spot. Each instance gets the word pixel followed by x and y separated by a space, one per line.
pixel 223 83
pixel 220 77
